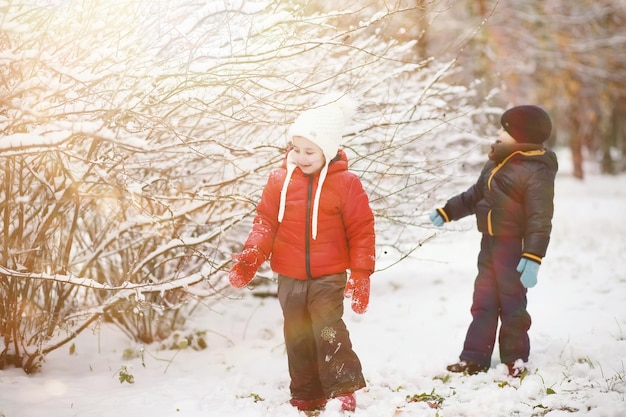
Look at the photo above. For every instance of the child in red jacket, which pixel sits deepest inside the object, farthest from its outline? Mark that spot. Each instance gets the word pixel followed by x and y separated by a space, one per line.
pixel 313 223
pixel 513 204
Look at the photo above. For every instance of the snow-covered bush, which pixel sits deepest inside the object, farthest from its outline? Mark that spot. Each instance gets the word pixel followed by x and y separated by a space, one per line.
pixel 137 137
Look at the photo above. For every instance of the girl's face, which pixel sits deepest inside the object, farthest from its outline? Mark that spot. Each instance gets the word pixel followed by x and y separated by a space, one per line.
pixel 309 157
pixel 504 137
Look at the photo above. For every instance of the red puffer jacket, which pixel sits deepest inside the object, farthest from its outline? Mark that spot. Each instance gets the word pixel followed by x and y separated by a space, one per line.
pixel 345 236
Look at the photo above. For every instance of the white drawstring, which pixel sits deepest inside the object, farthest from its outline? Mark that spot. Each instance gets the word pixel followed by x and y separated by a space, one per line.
pixel 316 202
pixel 291 166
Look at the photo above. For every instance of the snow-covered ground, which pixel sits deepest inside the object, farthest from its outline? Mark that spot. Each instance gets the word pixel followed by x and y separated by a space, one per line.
pixel 415 326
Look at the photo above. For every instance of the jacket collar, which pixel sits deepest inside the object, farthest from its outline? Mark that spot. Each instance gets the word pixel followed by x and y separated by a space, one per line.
pixel 501 151
pixel 338 163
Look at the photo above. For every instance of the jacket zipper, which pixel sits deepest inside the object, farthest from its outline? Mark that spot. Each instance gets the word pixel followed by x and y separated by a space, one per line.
pixel 496 169
pixel 307 230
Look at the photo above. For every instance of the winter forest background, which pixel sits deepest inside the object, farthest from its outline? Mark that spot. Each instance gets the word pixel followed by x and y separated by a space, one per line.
pixel 136 136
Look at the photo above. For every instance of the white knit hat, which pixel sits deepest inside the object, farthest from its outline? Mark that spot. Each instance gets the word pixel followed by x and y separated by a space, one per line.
pixel 323 125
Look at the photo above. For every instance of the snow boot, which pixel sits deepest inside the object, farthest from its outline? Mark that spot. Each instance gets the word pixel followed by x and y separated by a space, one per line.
pixel 308 405
pixel 467 367
pixel 348 402
pixel 517 368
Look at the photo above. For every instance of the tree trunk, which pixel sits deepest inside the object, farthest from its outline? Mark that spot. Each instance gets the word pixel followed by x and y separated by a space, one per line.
pixel 576 145
pixel 615 139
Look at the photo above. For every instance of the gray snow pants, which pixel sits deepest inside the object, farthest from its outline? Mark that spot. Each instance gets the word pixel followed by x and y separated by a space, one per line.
pixel 321 361
pixel 498 295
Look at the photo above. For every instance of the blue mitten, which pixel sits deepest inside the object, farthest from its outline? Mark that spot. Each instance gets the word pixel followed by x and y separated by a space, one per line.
pixel 436 218
pixel 529 270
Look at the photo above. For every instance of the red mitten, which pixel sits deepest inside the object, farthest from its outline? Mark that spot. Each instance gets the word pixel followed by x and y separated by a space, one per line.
pixel 358 288
pixel 246 264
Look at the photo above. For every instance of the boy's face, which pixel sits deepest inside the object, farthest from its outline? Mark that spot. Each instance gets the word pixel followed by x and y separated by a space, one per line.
pixel 504 137
pixel 309 157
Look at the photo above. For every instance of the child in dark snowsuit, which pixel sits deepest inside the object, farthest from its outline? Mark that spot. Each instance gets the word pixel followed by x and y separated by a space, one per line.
pixel 313 223
pixel 513 204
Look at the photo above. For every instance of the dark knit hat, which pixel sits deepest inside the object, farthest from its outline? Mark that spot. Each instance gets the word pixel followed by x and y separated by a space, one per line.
pixel 527 124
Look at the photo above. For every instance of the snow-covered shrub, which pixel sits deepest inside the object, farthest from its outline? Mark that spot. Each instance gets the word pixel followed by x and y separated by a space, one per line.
pixel 137 137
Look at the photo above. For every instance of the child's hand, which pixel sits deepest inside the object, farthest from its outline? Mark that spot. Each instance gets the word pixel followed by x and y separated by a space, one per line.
pixel 245 267
pixel 529 270
pixel 358 288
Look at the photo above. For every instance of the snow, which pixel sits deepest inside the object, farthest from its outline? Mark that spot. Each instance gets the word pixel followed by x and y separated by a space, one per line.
pixel 414 327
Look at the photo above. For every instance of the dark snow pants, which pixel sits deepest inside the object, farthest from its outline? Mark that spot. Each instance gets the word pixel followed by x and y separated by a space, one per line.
pixel 321 361
pixel 498 294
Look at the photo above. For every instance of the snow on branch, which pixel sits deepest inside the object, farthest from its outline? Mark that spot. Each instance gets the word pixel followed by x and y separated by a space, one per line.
pixel 126 289
pixel 36 140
